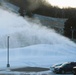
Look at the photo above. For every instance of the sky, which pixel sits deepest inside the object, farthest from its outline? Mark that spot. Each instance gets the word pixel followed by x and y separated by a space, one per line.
pixel 63 3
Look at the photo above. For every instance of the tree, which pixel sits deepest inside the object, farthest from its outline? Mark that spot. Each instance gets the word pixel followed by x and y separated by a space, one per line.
pixel 70 28
pixel 42 7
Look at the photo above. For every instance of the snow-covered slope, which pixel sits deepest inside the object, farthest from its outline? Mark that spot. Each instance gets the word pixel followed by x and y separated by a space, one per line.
pixel 42 55
pixel 31 44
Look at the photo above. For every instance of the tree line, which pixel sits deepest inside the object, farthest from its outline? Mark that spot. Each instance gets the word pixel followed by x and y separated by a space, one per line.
pixel 57 12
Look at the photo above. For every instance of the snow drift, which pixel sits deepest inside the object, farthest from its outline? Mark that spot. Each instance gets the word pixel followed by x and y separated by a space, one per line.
pixel 43 55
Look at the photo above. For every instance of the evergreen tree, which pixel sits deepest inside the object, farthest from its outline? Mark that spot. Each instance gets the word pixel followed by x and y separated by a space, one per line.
pixel 70 28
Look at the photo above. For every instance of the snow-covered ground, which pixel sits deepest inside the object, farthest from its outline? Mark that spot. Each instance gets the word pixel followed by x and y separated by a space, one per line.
pixel 43 55
pixel 32 44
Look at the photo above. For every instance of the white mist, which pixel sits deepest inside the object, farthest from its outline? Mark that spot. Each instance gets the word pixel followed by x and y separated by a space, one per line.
pixel 47 46
pixel 24 33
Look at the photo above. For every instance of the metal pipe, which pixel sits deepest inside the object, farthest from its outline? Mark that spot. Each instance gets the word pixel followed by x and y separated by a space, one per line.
pixel 8 65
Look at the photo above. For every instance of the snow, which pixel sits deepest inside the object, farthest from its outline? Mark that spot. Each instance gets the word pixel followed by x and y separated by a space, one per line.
pixel 42 55
pixel 25 33
pixel 32 44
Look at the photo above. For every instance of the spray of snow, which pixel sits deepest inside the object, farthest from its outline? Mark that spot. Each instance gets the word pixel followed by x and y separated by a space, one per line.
pixel 49 47
pixel 24 33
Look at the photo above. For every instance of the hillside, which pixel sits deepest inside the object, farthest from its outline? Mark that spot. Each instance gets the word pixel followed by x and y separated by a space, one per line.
pixel 50 22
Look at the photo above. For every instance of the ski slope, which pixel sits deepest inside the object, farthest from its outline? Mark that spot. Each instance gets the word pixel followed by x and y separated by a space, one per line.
pixel 42 55
pixel 31 44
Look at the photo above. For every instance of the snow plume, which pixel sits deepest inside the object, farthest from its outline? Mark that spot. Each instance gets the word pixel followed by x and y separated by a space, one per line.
pixel 24 32
pixel 45 43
